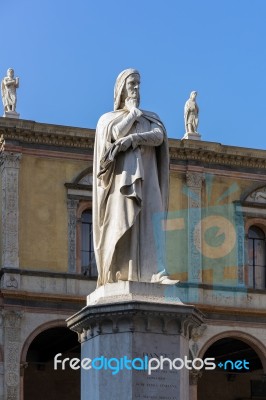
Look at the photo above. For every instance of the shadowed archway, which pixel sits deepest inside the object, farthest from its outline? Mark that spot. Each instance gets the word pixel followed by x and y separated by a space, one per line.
pixel 238 375
pixel 41 380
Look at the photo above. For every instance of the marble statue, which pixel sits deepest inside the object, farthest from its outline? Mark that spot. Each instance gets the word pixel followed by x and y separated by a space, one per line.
pixel 131 178
pixel 191 114
pixel 8 89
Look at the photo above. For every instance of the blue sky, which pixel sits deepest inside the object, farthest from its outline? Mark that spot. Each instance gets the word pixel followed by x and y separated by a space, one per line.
pixel 68 54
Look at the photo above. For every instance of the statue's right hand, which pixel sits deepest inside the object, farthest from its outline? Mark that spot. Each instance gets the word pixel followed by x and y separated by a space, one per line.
pixel 130 103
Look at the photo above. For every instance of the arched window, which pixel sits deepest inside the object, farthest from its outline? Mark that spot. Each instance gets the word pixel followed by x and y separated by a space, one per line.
pixel 88 264
pixel 80 237
pixel 256 257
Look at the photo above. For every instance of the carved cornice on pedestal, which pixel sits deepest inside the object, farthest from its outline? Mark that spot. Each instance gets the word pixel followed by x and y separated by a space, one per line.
pixel 135 316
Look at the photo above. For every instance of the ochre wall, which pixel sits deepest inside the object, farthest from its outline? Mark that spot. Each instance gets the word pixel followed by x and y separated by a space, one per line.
pixel 43 219
pixel 177 200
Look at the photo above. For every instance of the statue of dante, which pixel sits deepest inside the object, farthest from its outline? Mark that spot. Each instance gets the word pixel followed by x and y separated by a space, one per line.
pixel 131 171
pixel 191 114
pixel 8 90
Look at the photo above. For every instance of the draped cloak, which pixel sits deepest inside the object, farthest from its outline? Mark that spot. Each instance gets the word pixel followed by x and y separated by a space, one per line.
pixel 118 191
pixel 8 93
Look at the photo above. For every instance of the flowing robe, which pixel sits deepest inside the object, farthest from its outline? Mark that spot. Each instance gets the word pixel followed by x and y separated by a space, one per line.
pixel 191 115
pixel 8 89
pixel 129 189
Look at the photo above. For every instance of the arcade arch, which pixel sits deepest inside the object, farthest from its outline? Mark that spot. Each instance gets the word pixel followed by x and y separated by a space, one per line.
pixel 228 382
pixel 39 378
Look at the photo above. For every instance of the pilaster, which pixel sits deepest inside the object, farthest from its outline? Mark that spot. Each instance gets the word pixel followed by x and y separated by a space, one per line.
pixel 10 213
pixel 194 183
pixel 193 383
pixel 72 232
pixel 12 323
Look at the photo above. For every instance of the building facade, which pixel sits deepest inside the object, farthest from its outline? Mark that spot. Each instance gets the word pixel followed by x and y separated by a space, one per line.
pixel 215 234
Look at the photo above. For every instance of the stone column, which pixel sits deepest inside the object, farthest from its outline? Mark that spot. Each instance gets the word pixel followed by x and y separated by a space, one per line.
pixel 135 320
pixel 12 322
pixel 72 234
pixel 193 384
pixel 194 184
pixel 10 214
pixel 2 395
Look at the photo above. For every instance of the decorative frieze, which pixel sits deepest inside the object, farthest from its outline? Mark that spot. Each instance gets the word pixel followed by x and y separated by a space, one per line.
pixel 46 134
pixel 216 154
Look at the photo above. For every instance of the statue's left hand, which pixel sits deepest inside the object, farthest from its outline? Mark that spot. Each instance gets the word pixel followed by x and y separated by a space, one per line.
pixel 124 142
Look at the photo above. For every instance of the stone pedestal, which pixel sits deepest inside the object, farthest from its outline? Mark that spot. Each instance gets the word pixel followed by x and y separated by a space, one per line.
pixel 134 320
pixel 192 136
pixel 11 114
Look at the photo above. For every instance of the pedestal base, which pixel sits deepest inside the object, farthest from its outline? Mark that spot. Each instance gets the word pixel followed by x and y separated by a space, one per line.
pixel 124 291
pixel 11 114
pixel 125 325
pixel 192 136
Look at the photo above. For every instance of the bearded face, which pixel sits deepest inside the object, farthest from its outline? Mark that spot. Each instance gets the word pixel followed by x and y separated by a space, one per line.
pixel 131 89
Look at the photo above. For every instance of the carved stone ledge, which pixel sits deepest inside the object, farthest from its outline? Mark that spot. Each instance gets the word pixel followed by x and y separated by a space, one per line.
pixel 216 154
pixel 24 131
pixel 136 321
